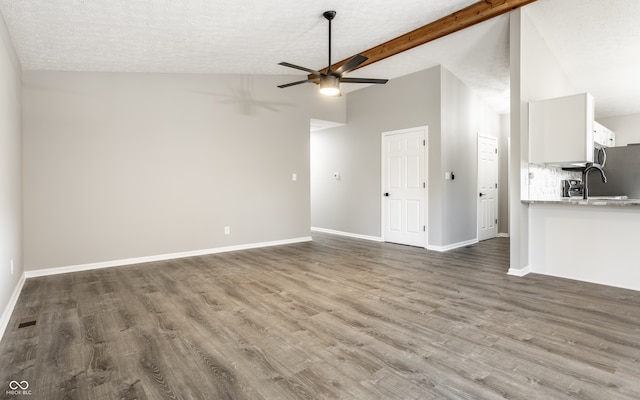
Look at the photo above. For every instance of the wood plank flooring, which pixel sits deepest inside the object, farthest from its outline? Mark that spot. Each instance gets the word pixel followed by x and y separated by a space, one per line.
pixel 336 318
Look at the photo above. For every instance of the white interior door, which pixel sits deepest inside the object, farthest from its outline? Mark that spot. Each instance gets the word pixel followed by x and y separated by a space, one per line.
pixel 487 188
pixel 404 186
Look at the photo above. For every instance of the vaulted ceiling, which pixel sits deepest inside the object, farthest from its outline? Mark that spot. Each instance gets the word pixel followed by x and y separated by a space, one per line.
pixel 597 42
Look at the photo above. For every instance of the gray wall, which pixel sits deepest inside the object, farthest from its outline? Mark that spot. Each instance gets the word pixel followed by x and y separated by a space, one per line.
pixel 503 179
pixel 461 123
pixel 120 166
pixel 10 173
pixel 454 115
pixel 353 203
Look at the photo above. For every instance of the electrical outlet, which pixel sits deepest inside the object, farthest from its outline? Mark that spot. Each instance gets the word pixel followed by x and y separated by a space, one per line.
pixel 294 177
pixel 227 230
pixel 11 267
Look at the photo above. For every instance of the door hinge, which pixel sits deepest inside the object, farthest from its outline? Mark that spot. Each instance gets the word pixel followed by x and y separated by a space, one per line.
pixel 424 228
pixel 496 220
pixel 496 151
pixel 424 185
pixel 496 185
pixel 424 142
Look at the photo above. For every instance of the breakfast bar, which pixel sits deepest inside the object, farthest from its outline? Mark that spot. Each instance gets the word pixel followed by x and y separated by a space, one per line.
pixel 594 240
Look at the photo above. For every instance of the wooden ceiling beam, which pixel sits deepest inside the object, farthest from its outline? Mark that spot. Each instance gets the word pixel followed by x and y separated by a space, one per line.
pixel 459 20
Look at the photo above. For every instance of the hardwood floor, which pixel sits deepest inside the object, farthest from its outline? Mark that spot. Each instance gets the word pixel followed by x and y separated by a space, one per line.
pixel 336 318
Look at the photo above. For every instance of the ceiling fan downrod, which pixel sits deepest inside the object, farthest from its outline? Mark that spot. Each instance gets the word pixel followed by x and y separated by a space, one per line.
pixel 329 15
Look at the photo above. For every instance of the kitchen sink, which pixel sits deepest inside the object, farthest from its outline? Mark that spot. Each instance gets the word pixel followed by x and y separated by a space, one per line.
pixel 609 198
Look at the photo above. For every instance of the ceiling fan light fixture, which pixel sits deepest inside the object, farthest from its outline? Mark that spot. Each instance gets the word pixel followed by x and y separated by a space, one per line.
pixel 330 85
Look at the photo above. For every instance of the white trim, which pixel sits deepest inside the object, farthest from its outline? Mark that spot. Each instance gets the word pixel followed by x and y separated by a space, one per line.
pixel 503 235
pixel 453 246
pixel 8 310
pixel 353 235
pixel 519 272
pixel 161 257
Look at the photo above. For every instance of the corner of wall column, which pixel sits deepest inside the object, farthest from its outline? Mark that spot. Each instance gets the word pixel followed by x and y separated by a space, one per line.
pixel 518 151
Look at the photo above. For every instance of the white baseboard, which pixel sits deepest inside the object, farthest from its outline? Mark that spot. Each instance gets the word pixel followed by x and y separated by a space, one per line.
pixel 452 246
pixel 520 271
pixel 161 257
pixel 8 310
pixel 353 235
pixel 504 235
pixel 379 239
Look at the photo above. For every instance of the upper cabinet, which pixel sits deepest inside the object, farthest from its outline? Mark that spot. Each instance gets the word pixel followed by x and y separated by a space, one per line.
pixel 561 130
pixel 603 136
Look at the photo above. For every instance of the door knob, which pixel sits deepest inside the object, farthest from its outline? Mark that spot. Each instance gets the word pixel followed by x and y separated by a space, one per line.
pixel 481 194
pixel 386 195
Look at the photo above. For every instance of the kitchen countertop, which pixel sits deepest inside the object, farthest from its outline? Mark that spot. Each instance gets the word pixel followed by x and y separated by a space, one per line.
pixel 590 202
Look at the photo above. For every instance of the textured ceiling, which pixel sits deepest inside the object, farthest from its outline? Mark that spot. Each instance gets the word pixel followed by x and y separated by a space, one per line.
pixel 240 36
pixel 596 41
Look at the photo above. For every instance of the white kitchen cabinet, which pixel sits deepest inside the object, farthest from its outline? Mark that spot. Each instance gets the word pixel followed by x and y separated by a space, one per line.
pixel 612 139
pixel 603 136
pixel 599 135
pixel 561 130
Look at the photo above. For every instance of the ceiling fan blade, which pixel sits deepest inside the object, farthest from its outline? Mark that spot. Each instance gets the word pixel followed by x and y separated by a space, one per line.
pixel 351 64
pixel 363 80
pixel 299 82
pixel 286 64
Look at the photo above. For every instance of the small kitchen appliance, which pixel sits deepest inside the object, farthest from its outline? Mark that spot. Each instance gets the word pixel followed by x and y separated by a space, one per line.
pixel 572 188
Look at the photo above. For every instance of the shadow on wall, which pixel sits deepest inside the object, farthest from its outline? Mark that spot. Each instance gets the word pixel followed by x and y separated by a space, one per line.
pixel 244 100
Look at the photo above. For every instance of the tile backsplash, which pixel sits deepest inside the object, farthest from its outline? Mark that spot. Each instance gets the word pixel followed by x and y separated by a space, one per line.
pixel 545 182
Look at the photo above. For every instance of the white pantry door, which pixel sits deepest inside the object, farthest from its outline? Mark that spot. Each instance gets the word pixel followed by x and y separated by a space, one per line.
pixel 404 186
pixel 487 188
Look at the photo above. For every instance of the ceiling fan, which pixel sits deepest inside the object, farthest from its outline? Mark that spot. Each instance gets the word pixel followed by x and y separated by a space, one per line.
pixel 330 81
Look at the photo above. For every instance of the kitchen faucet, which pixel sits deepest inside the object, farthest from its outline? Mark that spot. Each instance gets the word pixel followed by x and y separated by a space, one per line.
pixel 585 173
